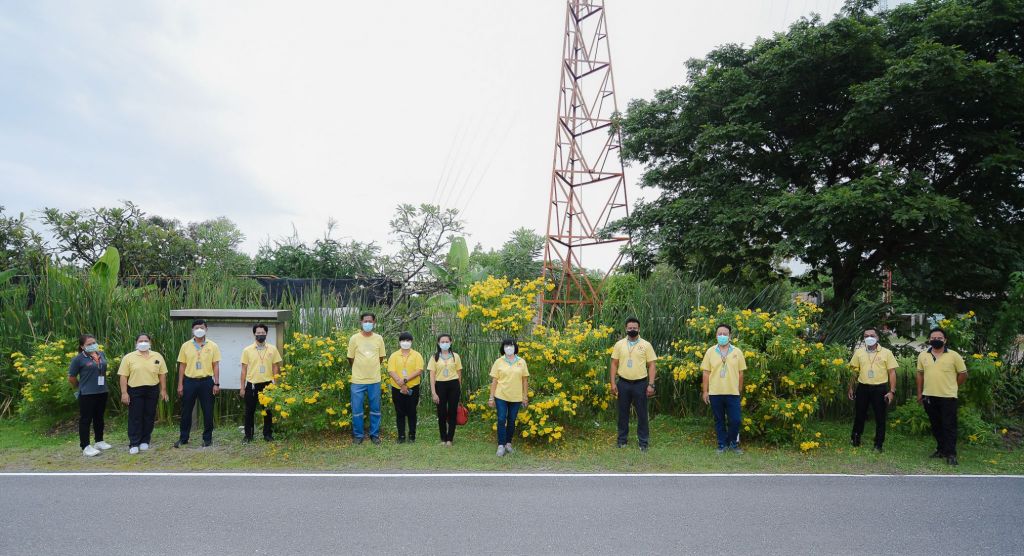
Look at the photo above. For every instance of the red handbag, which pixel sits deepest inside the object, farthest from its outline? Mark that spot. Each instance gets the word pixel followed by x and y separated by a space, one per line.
pixel 461 415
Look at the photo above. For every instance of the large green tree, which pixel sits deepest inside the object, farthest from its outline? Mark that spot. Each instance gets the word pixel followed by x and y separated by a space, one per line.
pixel 877 140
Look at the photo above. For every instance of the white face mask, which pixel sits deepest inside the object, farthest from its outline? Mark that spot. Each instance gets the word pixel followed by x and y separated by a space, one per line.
pixel 142 346
pixel 405 345
pixel 199 332
pixel 870 341
pixel 510 350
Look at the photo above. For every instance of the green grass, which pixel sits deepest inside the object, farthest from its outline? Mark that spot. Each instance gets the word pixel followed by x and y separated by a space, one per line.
pixel 677 445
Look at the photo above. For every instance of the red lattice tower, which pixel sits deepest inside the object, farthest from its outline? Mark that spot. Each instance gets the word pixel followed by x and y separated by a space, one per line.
pixel 588 186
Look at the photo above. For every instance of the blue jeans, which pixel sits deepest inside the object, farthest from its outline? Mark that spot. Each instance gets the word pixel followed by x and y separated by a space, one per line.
pixel 722 406
pixel 358 394
pixel 507 413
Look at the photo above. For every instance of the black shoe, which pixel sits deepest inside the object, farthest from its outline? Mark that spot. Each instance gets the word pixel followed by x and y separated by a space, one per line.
pixel 180 443
pixel 855 442
pixel 643 449
pixel 401 440
pixel 246 440
pixel 207 443
pixel 357 441
pixel 412 440
pixel 937 455
pixel 878 449
pixel 375 440
pixel 952 460
pixel 268 438
pixel 621 445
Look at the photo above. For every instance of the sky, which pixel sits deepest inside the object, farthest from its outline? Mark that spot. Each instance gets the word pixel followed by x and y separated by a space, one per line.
pixel 282 115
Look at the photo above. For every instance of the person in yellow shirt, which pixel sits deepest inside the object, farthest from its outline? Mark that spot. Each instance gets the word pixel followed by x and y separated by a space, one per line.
pixel 261 365
pixel 198 379
pixel 874 374
pixel 366 353
pixel 721 384
pixel 510 390
pixel 632 382
pixel 940 372
pixel 405 368
pixel 143 376
pixel 446 386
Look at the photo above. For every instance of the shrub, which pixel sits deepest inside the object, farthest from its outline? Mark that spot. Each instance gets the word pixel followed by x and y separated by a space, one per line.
pixel 45 391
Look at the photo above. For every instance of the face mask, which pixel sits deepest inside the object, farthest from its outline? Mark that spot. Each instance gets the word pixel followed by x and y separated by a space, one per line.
pixel 632 333
pixel 510 350
pixel 367 326
pixel 142 346
pixel 722 340
pixel 445 346
pixel 199 332
pixel 870 341
pixel 405 345
pixel 92 348
pixel 937 344
pixel 261 338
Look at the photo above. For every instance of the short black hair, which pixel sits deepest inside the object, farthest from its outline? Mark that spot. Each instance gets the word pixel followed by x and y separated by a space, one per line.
pixel 508 342
pixel 198 322
pixel 725 326
pixel 367 314
pixel 405 337
pixel 871 328
pixel 146 334
pixel 260 325
pixel 938 329
pixel 633 319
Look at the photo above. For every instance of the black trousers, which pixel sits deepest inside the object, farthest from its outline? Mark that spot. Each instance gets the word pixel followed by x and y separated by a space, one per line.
pixel 873 396
pixel 91 408
pixel 252 402
pixel 141 413
pixel 448 392
pixel 200 389
pixel 942 414
pixel 405 410
pixel 633 394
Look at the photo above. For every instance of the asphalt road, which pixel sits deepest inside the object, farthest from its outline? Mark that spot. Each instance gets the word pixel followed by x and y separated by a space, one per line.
pixel 510 515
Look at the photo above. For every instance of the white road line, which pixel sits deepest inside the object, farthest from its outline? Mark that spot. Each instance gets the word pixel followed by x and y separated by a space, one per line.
pixel 479 475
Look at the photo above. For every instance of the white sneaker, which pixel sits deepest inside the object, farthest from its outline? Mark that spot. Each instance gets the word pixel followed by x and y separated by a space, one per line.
pixel 89 451
pixel 143 446
pixel 103 445
pixel 508 448
pixel 501 451
pixel 133 450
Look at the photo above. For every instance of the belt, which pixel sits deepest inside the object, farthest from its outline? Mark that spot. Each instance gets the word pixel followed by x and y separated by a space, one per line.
pixel 632 381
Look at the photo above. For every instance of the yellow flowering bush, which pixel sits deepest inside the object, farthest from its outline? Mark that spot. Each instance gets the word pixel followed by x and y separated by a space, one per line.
pixel 45 391
pixel 788 376
pixel 567 365
pixel 311 394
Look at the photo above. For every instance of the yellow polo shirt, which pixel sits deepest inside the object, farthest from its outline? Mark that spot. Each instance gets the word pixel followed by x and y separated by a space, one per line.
pixel 259 363
pixel 445 369
pixel 940 373
pixel 633 359
pixel 142 370
pixel 199 360
pixel 873 366
pixel 405 365
pixel 510 378
pixel 723 370
pixel 366 353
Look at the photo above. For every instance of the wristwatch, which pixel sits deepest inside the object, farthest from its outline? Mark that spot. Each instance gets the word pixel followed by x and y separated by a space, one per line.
pixel 651 386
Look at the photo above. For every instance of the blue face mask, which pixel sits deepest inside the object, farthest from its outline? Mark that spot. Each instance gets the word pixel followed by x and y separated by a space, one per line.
pixel 722 340
pixel 92 348
pixel 445 346
pixel 367 326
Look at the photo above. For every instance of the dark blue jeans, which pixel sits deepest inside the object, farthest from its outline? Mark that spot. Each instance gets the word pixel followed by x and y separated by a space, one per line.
pixel 723 406
pixel 507 413
pixel 633 394
pixel 193 389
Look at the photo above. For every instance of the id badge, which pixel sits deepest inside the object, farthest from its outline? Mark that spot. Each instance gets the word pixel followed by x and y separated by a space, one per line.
pixel 199 365
pixel 446 373
pixel 721 374
pixel 405 373
pixel 871 373
pixel 263 369
pixel 101 380
pixel 629 363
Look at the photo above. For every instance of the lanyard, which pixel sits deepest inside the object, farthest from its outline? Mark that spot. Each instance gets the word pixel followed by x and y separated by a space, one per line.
pixel 871 362
pixel 511 363
pixel 405 362
pixel 262 353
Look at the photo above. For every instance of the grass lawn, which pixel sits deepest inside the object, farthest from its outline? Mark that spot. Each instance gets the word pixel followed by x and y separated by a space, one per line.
pixel 677 445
